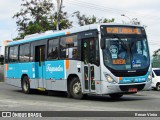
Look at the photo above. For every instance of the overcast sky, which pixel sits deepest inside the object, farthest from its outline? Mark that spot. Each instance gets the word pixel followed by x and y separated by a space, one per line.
pixel 146 11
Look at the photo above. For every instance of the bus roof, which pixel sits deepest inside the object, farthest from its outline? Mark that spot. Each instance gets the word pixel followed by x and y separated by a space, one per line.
pixel 47 35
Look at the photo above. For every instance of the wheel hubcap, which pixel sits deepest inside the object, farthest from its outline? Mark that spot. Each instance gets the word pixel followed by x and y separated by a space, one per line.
pixel 25 86
pixel 77 88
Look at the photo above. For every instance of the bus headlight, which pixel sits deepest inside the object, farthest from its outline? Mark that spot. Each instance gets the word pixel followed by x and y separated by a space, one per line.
pixel 109 79
pixel 149 78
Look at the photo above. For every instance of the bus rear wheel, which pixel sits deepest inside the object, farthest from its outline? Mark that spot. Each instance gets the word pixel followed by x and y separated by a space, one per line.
pixel 116 96
pixel 75 88
pixel 26 85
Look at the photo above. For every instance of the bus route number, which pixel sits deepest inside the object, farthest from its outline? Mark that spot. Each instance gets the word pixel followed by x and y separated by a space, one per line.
pixel 119 61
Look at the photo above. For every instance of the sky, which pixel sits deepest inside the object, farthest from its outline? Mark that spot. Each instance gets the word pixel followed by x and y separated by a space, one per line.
pixel 146 11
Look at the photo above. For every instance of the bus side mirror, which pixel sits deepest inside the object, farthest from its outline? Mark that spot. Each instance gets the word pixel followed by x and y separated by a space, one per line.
pixel 102 43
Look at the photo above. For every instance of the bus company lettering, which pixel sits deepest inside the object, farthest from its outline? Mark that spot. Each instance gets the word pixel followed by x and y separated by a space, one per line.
pixel 54 69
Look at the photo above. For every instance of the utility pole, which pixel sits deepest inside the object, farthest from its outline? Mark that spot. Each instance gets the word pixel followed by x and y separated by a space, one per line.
pixel 133 21
pixel 59 6
pixel 130 20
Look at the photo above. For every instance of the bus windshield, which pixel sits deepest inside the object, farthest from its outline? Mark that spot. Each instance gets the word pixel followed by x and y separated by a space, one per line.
pixel 126 53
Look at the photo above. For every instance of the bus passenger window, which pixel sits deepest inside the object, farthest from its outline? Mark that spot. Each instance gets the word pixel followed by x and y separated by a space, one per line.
pixel 53 49
pixel 63 48
pixel 31 55
pixel 69 47
pixel 6 55
pixel 13 54
pixel 72 52
pixel 24 53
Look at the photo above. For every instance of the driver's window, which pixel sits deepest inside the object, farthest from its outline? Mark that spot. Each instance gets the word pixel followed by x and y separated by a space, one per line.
pixel 145 48
pixel 139 47
pixel 142 47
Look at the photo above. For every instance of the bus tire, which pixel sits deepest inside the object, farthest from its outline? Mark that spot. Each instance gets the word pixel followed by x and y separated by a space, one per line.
pixel 75 88
pixel 158 87
pixel 116 96
pixel 26 85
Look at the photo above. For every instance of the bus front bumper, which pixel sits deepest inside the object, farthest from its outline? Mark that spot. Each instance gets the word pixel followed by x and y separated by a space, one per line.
pixel 124 88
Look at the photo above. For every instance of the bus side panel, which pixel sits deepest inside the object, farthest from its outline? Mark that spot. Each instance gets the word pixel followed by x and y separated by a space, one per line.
pixel 26 68
pixel 55 70
pixel 12 75
pixel 29 70
pixel 15 71
pixel 55 75
pixel 74 67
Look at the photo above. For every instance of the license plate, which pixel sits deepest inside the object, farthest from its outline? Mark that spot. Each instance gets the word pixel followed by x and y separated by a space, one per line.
pixel 132 90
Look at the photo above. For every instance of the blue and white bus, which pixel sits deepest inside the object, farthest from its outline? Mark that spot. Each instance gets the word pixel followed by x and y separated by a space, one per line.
pixel 104 59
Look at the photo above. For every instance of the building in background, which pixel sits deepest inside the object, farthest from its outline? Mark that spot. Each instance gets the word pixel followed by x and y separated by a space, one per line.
pixel 3 46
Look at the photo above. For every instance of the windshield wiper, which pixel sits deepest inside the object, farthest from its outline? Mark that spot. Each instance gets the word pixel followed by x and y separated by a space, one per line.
pixel 123 44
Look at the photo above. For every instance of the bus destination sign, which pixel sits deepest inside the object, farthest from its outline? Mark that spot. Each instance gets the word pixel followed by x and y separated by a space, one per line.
pixel 124 30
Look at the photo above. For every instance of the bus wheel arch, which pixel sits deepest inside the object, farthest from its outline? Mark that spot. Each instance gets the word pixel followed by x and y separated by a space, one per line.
pixel 25 84
pixel 73 82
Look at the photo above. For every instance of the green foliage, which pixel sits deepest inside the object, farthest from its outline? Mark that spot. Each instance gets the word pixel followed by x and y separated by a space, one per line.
pixel 156 59
pixel 33 17
pixel 86 20
pixel 64 21
pixel 38 16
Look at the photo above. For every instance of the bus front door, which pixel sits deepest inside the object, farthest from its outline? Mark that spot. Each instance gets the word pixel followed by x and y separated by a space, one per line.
pixel 90 55
pixel 39 58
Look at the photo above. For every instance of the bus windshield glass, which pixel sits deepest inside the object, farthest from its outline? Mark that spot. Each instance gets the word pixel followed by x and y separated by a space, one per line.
pixel 126 53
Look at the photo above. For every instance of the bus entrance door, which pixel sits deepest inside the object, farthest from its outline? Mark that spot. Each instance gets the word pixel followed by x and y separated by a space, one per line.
pixel 89 52
pixel 39 58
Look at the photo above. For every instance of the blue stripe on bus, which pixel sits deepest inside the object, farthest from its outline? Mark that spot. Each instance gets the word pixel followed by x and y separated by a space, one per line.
pixel 15 70
pixel 35 39
pixel 136 79
pixel 49 70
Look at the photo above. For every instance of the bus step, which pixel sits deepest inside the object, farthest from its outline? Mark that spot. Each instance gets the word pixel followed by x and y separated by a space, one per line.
pixel 41 89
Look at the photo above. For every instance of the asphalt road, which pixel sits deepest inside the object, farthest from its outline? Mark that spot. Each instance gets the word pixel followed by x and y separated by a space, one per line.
pixel 12 99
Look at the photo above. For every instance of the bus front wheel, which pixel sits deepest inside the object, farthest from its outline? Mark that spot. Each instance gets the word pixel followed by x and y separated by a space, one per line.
pixel 116 96
pixel 26 85
pixel 158 87
pixel 75 88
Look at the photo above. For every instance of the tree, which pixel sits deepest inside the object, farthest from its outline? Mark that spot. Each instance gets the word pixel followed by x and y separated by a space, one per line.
pixel 33 16
pixel 85 20
pixel 156 59
pixel 64 23
pixel 38 16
